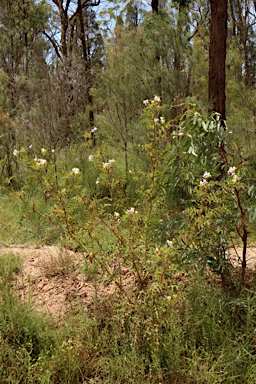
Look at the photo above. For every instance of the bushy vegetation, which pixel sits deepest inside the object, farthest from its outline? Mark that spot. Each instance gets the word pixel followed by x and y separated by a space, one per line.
pixel 187 315
pixel 108 147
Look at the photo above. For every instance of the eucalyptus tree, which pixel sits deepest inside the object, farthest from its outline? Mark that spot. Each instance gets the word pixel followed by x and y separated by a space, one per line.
pixel 155 5
pixel 217 56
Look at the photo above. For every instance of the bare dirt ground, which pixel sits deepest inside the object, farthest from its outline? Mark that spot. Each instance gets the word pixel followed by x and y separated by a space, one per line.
pixel 54 282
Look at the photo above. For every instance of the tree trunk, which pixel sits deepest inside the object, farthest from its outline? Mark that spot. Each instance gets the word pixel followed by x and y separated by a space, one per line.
pixel 217 56
pixel 155 6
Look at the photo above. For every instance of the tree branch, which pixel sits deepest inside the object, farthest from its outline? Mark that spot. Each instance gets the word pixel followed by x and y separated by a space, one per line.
pixel 54 44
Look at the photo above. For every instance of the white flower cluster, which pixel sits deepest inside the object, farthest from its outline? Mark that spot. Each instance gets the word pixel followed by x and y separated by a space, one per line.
pixel 169 243
pixel 204 181
pixel 76 171
pixel 106 165
pixel 156 99
pixel 231 172
pixel 131 211
pixel 15 152
pixel 40 162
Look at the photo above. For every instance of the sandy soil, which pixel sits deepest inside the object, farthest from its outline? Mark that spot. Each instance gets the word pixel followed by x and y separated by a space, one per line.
pixel 236 257
pixel 54 282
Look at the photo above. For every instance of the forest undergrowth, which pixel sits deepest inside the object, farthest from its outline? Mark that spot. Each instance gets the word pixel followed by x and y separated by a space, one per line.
pixel 180 208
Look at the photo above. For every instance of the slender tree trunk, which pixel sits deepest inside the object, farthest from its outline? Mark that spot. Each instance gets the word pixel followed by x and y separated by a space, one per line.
pixel 217 56
pixel 86 62
pixel 82 34
pixel 243 27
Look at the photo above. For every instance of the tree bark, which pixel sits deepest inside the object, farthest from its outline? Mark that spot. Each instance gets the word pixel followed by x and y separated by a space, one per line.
pixel 155 6
pixel 217 57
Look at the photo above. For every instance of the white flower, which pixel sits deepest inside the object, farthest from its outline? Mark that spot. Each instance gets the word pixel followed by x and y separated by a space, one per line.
pixel 231 171
pixel 206 175
pixel 157 99
pixel 43 150
pixel 30 146
pixel 169 243
pixel 40 162
pixel 235 178
pixel 131 211
pixel 203 182
pixel 105 165
pixel 116 215
pixel 53 150
pixel 97 181
pixel 76 171
pixel 146 102
pixel 162 119
pixel 15 152
pixel 156 120
pixel 130 171
pixel 94 130
pixel 90 158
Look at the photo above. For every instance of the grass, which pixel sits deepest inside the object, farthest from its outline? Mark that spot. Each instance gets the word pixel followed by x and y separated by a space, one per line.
pixel 202 335
pixel 20 226
pixel 59 264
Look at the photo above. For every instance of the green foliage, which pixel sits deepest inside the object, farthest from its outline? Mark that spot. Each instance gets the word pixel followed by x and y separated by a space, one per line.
pixel 195 146
pixel 99 207
pixel 149 195
pixel 136 224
